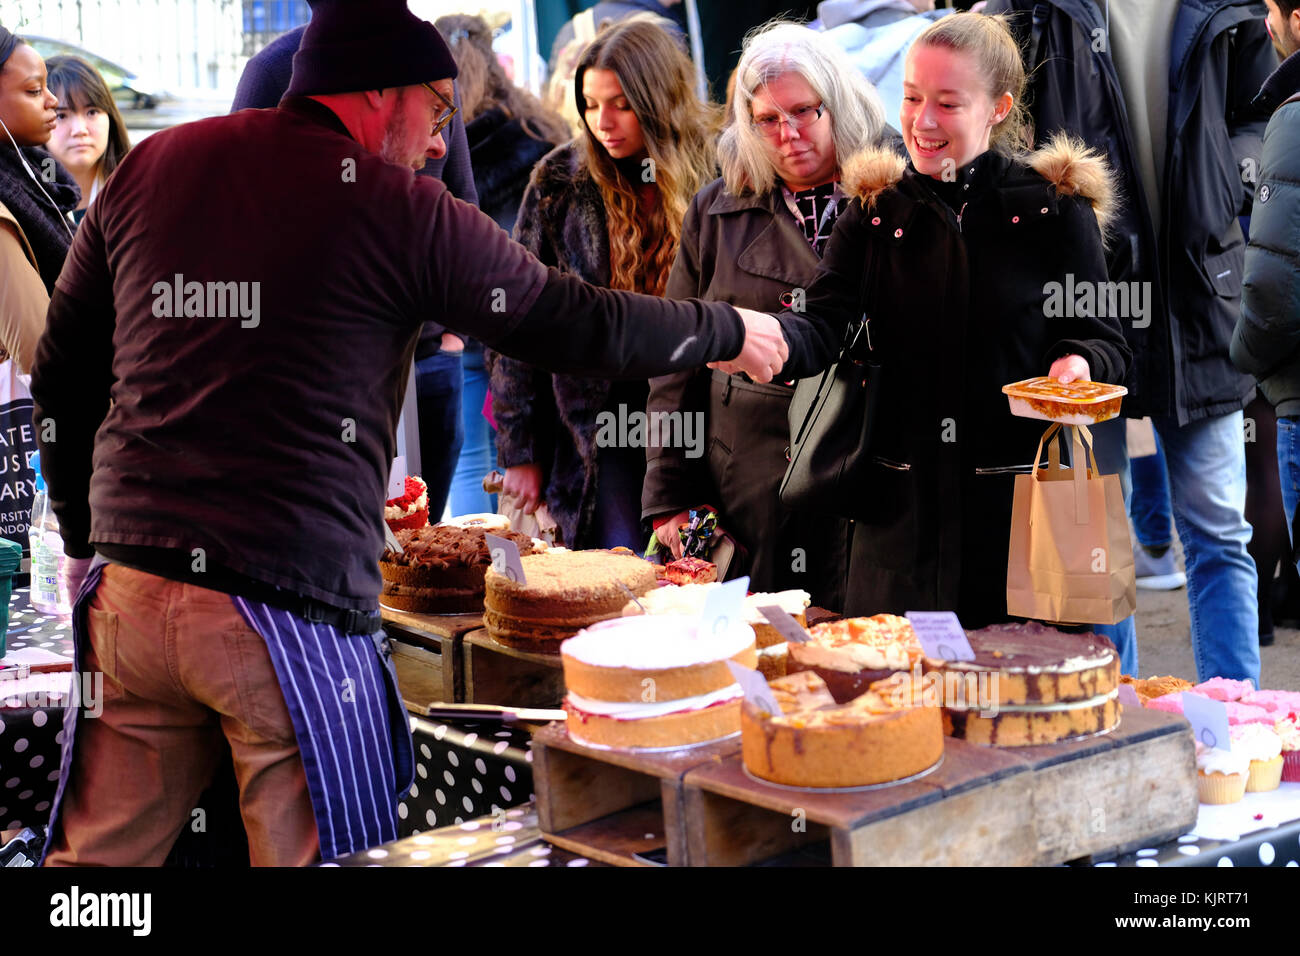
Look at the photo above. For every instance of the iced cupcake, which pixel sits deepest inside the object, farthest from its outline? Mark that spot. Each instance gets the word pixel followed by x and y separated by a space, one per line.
pixel 1221 775
pixel 1288 728
pixel 1264 748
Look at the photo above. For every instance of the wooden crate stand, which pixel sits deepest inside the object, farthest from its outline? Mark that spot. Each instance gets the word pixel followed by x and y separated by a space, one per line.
pixel 983 806
pixel 497 674
pixel 427 655
pixel 611 805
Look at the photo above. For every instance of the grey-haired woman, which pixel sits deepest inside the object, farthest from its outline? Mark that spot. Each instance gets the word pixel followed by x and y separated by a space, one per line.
pixel 754 238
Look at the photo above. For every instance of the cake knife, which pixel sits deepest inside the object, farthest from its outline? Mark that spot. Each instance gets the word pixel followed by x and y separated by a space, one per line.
pixel 494 712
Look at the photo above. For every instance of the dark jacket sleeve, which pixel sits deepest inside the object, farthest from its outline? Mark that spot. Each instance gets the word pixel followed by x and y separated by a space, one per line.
pixel 1268 332
pixel 833 300
pixel 673 481
pixel 523 400
pixel 71 378
pixel 1099 340
pixel 1254 60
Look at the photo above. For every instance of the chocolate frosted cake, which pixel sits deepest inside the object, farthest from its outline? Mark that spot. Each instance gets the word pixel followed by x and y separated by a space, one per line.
pixel 1030 684
pixel 440 569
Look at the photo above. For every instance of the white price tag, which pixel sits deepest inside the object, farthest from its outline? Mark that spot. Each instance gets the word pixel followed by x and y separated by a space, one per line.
pixel 1209 719
pixel 505 557
pixel 724 606
pixel 755 688
pixel 785 625
pixel 941 635
pixel 397 478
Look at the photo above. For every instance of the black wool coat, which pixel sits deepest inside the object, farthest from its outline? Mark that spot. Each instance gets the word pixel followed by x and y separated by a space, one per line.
pixel 958 298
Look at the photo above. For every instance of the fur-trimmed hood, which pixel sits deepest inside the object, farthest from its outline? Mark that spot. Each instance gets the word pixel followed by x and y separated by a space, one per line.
pixel 1070 166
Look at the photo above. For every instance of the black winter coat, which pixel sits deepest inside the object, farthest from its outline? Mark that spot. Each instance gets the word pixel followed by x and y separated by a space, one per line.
pixel 547 419
pixel 957 302
pixel 1266 343
pixel 1220 55
pixel 503 157
pixel 749 251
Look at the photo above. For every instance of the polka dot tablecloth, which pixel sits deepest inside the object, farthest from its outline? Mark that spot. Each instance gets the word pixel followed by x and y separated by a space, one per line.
pixel 463 771
pixel 509 838
pixel 31 730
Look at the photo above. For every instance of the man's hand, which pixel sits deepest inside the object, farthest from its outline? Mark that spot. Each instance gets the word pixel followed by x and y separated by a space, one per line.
pixel 1070 368
pixel 765 349
pixel 524 484
pixel 451 342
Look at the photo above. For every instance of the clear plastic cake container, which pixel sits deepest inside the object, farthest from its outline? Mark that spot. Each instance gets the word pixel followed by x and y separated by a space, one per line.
pixel 1079 403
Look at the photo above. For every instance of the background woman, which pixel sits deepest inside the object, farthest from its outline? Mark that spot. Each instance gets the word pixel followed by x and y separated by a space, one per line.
pixel 35 198
pixel 950 255
pixel 90 137
pixel 754 238
pixel 608 208
pixel 508 131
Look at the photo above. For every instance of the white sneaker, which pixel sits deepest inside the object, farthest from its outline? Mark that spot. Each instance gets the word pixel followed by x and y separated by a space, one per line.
pixel 1157 574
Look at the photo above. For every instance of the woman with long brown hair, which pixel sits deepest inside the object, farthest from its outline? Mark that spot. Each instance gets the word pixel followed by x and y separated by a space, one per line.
pixel 607 207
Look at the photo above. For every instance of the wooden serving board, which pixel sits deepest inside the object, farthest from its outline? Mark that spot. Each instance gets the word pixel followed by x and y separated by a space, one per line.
pixel 985 806
pixel 427 655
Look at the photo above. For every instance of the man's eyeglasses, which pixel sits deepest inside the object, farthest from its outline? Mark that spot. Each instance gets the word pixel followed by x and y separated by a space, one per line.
pixel 445 118
pixel 805 116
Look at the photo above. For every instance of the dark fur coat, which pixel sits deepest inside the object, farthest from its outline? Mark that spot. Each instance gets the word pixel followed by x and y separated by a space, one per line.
pixel 551 419
pixel 503 156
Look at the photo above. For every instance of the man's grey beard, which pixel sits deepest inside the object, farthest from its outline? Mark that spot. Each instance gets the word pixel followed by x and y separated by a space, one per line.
pixel 395 135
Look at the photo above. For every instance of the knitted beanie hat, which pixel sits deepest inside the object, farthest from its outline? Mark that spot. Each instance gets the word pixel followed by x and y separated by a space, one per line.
pixel 356 45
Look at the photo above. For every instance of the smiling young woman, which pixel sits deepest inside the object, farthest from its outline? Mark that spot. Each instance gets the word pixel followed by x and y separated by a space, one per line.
pixel 948 258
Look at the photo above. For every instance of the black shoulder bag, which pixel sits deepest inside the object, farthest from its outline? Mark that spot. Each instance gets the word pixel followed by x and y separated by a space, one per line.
pixel 831 421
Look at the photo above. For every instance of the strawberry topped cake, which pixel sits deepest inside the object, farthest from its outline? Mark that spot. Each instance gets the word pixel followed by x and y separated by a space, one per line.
pixel 412 509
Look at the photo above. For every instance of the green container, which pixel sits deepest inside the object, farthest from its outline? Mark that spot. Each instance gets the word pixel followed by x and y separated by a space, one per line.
pixel 11 556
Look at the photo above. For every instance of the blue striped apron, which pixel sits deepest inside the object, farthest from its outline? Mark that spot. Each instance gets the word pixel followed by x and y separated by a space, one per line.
pixel 348 717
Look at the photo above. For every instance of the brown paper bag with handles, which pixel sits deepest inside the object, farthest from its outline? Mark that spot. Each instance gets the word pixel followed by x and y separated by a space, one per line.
pixel 1070 558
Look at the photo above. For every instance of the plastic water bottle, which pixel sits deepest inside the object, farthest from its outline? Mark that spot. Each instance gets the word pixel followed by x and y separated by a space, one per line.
pixel 47 552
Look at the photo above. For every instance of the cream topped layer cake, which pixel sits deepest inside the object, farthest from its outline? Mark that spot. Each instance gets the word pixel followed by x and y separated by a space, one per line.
pixel 1030 684
pixel 562 592
pixel 653 682
pixel 411 509
pixel 852 654
pixel 440 569
pixel 689 599
pixel 878 736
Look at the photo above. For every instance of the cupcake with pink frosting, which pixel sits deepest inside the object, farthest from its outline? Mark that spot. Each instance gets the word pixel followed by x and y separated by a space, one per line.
pixel 1264 748
pixel 1221 775
pixel 1288 729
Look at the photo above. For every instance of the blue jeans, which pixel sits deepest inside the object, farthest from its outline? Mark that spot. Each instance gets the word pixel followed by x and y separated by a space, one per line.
pixel 438 382
pixel 1288 469
pixel 478 454
pixel 1149 506
pixel 1207 482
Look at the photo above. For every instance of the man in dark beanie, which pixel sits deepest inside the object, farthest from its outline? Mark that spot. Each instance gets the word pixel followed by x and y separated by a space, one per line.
pixel 439 356
pixel 232 362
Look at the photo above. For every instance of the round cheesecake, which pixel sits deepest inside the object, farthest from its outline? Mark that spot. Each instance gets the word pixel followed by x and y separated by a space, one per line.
pixel 562 592
pixel 877 737
pixel 653 682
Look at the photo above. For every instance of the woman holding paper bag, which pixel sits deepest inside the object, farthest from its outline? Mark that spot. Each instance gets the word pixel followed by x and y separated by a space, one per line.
pixel 971 263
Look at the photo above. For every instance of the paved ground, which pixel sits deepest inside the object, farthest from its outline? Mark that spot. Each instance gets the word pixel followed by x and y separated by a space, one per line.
pixel 1165 646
